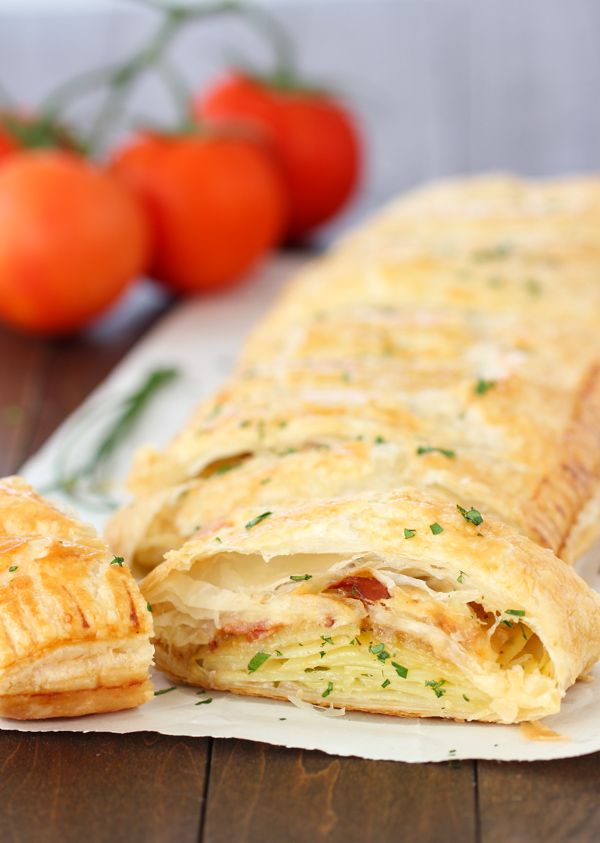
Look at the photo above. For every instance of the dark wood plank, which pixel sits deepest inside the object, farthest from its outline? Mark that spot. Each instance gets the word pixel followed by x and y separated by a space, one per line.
pixel 102 788
pixel 264 794
pixel 21 375
pixel 553 801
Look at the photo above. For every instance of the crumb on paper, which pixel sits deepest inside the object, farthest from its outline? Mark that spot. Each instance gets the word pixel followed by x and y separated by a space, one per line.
pixel 535 731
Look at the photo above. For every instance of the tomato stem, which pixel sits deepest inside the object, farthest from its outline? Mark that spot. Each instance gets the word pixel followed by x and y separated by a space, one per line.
pixel 120 78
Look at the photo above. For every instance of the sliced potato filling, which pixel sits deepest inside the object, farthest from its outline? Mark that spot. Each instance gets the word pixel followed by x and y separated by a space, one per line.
pixel 360 633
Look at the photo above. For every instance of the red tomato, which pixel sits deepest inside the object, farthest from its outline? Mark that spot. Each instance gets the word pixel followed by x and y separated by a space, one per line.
pixel 216 205
pixel 8 144
pixel 315 138
pixel 71 238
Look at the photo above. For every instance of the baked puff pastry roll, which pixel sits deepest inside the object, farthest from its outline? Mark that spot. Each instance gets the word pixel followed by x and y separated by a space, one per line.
pixel 398 603
pixel 74 628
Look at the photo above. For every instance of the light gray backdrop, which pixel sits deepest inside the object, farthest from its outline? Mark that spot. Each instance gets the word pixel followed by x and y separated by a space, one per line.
pixel 440 86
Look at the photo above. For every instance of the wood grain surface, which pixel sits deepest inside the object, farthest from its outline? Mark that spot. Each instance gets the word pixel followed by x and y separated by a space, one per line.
pixel 102 788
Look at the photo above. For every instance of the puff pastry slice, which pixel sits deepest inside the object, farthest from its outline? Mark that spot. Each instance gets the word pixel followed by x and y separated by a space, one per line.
pixel 397 603
pixel 74 628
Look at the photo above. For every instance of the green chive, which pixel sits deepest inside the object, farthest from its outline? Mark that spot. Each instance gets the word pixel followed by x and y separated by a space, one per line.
pixel 400 670
pixel 385 683
pixel 461 577
pixel 257 660
pixel 149 607
pixel 164 691
pixel 473 515
pixel 379 440
pixel 257 520
pixel 408 534
pixel 520 613
pixel 13 568
pixel 118 560
pixel 328 690
pixel 465 697
pixel 482 386
pixel 301 577
pixel 430 449
pixel 436 687
pixel 326 640
pixel 436 528
pixel 204 702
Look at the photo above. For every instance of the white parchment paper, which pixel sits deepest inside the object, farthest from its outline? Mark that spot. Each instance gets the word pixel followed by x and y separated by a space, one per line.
pixel 202 338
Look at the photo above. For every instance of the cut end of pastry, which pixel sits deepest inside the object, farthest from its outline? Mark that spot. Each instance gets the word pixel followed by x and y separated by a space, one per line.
pixel 393 603
pixel 74 628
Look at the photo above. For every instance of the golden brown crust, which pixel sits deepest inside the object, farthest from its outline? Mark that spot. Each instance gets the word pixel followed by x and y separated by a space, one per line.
pixel 574 479
pixel 75 703
pixel 73 626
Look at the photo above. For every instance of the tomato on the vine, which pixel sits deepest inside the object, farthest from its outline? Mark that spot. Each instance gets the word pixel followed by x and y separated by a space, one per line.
pixel 8 144
pixel 215 204
pixel 313 135
pixel 71 239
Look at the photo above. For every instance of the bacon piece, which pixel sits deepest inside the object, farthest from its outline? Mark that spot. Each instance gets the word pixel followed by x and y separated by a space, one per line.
pixel 367 589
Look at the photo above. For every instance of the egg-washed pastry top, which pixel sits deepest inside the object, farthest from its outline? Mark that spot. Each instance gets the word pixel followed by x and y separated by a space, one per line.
pixel 448 347
pixel 74 628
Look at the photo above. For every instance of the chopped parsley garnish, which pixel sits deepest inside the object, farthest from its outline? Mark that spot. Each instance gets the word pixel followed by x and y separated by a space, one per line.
pixel 278 653
pixel 149 607
pixel 461 577
pixel 356 641
pixel 318 667
pixel 507 623
pixel 301 577
pixel 431 449
pixel 379 440
pixel 385 683
pixel 321 653
pixel 283 718
pixel 436 528
pixel 473 515
pixel 408 534
pixel 379 651
pixel 436 687
pixel 400 670
pixel 257 660
pixel 118 560
pixel 465 698
pixel 520 613
pixel 328 690
pixel 451 752
pixel 223 469
pixel 533 287
pixel 217 539
pixel 12 569
pixel 493 253
pixel 326 640
pixel 482 386
pixel 164 691
pixel 257 520
pixel 204 702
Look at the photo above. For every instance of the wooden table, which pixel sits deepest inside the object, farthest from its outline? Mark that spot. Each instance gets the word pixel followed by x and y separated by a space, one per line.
pixel 153 788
